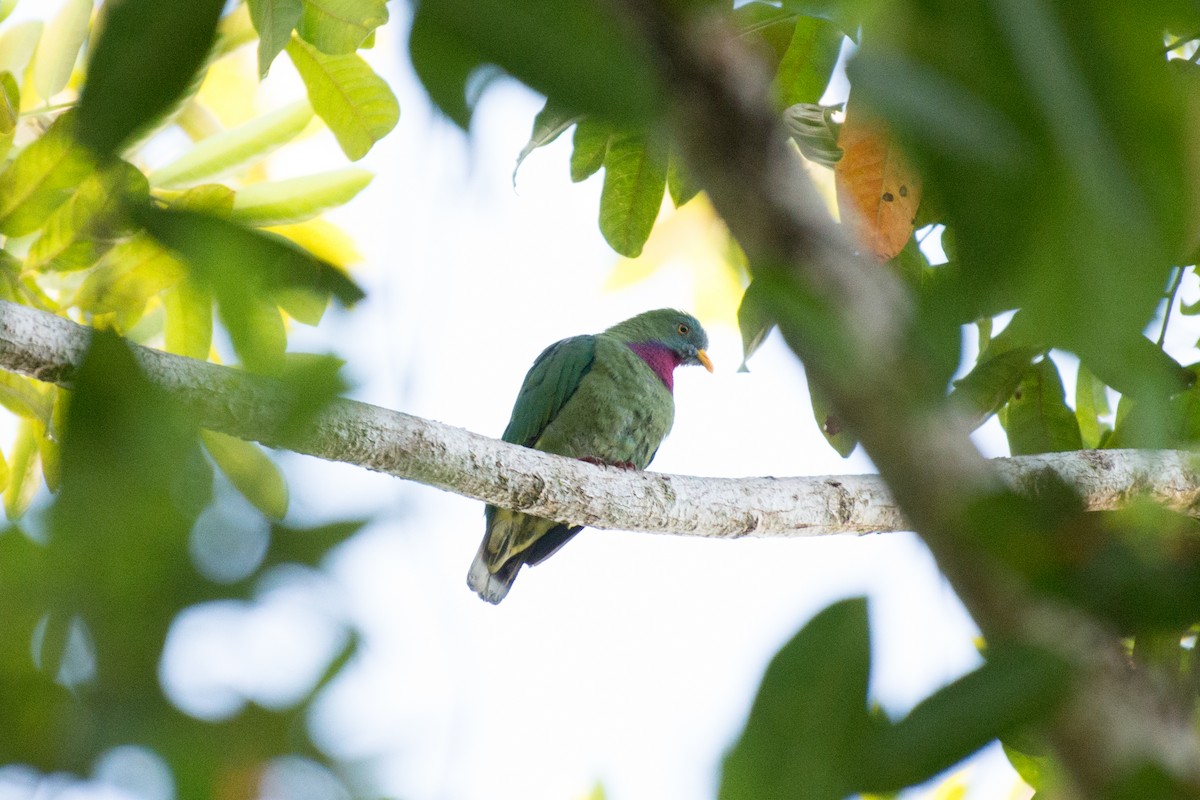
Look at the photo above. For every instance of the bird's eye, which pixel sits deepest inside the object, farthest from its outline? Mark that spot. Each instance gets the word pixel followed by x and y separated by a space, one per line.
pixel 683 328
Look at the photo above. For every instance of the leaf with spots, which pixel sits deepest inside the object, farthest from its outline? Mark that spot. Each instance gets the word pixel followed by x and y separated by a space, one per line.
pixel 878 192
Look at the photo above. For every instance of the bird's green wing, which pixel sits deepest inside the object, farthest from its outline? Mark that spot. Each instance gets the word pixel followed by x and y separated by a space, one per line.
pixel 551 381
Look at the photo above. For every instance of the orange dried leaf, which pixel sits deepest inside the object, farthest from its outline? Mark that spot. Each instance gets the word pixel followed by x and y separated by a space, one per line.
pixel 878 192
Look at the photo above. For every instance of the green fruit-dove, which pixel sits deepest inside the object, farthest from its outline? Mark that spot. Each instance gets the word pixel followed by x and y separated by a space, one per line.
pixel 605 398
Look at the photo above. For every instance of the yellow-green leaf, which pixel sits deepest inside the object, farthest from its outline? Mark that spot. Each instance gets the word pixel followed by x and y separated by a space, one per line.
pixel 236 148
pixel 23 482
pixel 6 8
pixel 128 275
pixel 189 311
pixel 68 239
pixel 49 452
pixel 1091 403
pixel 5 472
pixel 41 178
pixel 250 471
pixel 356 104
pixel 297 199
pixel 10 104
pixel 274 20
pixel 17 45
pixel 209 198
pixel 338 27
pixel 59 48
pixel 590 146
pixel 24 397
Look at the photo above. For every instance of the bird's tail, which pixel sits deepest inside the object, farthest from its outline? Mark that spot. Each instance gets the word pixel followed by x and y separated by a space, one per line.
pixel 492 586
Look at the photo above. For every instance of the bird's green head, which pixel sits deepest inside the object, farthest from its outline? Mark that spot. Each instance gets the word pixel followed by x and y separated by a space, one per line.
pixel 676 331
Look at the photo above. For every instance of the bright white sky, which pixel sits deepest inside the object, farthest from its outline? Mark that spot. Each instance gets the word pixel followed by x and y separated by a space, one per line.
pixel 629 659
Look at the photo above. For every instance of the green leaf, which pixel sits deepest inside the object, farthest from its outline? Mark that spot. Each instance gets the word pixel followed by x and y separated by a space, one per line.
pixel 18 44
pixel 548 125
pixel 1039 420
pixel 79 230
pixel 982 391
pixel 809 719
pixel 189 320
pixel 753 321
pixel 25 397
pixel 338 27
pixel 165 39
pixel 1014 687
pixel 830 422
pixel 127 276
pixel 23 476
pixel 576 53
pixel 235 149
pixel 297 199
pixel 680 185
pixel 41 178
pixel 590 143
pixel 10 105
pixel 274 20
pixel 1091 403
pixel 60 47
pixel 355 103
pixel 242 267
pixel 6 8
pixel 807 63
pixel 635 177
pixel 308 545
pixel 250 471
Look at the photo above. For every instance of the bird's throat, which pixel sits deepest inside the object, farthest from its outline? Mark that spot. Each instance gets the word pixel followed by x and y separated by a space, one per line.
pixel 659 358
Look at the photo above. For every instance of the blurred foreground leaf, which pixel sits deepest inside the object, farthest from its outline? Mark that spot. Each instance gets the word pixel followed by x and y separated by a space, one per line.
pixel 163 38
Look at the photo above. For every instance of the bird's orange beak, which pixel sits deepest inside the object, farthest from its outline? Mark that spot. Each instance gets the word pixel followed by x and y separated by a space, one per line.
pixel 705 360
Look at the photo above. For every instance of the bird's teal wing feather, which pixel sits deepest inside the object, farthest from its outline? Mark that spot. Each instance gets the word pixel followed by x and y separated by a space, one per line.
pixel 551 381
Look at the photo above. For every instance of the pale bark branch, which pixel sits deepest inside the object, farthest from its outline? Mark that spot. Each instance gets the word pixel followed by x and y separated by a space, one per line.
pixel 50 348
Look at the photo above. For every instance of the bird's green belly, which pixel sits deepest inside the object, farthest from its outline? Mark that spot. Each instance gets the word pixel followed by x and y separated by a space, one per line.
pixel 620 412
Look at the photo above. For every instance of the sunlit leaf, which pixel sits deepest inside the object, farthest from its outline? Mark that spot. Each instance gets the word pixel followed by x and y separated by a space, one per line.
pixel 635 177
pixel 297 199
pixel 6 8
pixel 1091 403
pixel 70 237
pixel 548 125
pixel 1039 420
pixel 189 312
pixel 128 275
pixel 356 104
pixel 339 27
pixel 60 47
pixel 236 148
pixel 323 239
pixel 242 267
pixel 250 471
pixel 24 474
pixel 10 106
pixel 25 397
pixel 274 20
pixel 163 38
pixel 809 719
pixel 17 45
pixel 590 147
pixel 41 178
pixel 878 191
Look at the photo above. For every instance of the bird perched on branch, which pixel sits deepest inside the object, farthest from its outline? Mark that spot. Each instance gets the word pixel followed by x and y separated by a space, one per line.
pixel 605 398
